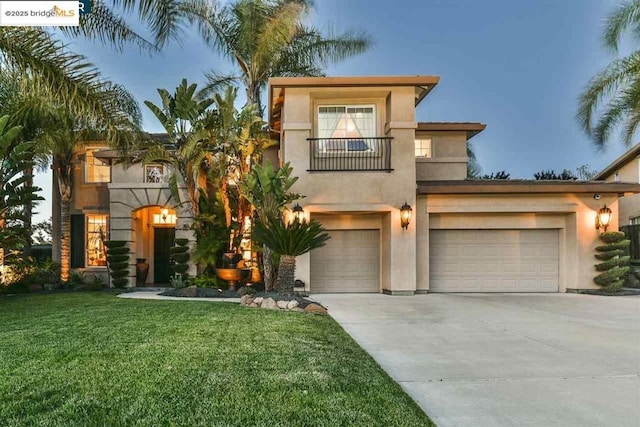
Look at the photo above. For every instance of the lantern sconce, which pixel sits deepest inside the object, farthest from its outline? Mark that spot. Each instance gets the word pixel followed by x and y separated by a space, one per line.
pixel 298 213
pixel 405 215
pixel 603 218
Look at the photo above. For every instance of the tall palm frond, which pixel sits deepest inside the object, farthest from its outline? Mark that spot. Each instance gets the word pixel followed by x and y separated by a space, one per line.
pixel 268 38
pixel 612 97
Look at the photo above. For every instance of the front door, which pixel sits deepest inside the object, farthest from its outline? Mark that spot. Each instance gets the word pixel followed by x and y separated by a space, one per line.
pixel 162 241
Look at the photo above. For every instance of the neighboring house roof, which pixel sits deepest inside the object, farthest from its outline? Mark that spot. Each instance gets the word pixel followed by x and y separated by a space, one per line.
pixel 422 84
pixel 512 186
pixel 472 129
pixel 614 166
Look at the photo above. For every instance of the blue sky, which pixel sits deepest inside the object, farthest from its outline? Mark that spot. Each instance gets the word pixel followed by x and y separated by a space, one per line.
pixel 517 66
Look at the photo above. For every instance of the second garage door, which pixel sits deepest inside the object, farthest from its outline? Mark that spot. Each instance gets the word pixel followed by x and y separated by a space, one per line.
pixel 493 260
pixel 348 263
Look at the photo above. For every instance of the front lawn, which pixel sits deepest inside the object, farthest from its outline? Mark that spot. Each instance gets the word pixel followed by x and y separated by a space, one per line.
pixel 95 359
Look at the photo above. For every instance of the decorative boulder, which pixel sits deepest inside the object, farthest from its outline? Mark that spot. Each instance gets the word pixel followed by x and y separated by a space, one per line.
pixel 282 305
pixel 270 304
pixel 315 308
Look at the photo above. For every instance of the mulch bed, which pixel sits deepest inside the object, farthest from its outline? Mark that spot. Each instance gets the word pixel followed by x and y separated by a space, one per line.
pixel 620 293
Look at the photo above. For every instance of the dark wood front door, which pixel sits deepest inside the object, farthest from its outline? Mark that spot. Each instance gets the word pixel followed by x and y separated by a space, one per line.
pixel 162 240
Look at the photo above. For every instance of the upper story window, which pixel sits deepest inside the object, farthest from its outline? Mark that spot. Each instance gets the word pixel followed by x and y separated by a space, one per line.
pixel 346 121
pixel 95 170
pixel 423 148
pixel 154 174
pixel 634 220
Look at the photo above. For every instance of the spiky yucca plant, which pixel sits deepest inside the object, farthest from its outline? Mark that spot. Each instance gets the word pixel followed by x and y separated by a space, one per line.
pixel 290 240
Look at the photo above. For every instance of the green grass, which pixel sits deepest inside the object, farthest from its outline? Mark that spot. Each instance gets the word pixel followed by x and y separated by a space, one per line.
pixel 93 359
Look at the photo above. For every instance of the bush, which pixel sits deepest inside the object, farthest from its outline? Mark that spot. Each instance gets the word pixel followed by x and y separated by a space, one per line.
pixel 182 242
pixel 120 283
pixel 118 274
pixel 178 250
pixel 180 258
pixel 178 281
pixel 119 265
pixel 92 283
pixel 119 251
pixel 76 279
pixel 112 244
pixel 615 266
pixel 181 268
pixel 209 282
pixel 117 258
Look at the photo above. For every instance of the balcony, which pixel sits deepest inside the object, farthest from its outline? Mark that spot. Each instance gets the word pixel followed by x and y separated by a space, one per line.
pixel 349 154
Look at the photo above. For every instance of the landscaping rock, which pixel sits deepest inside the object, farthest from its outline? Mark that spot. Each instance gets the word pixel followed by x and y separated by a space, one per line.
pixel 253 304
pixel 270 304
pixel 246 300
pixel 292 304
pixel 282 304
pixel 189 291
pixel 258 300
pixel 315 308
pixel 297 309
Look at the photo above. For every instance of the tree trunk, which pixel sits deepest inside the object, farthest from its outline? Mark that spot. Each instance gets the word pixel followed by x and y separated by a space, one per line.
pixel 65 241
pixel 267 264
pixel 28 217
pixel 286 274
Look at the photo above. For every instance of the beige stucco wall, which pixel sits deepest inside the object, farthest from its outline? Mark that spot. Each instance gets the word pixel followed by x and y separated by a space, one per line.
pixel 347 193
pixel 629 205
pixel 627 173
pixel 448 157
pixel 573 215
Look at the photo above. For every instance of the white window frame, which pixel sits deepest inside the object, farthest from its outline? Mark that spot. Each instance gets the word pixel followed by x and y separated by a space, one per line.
pixel 87 166
pixel 87 238
pixel 428 149
pixel 346 107
pixel 634 220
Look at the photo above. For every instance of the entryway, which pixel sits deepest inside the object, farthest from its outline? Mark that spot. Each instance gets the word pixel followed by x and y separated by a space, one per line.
pixel 163 238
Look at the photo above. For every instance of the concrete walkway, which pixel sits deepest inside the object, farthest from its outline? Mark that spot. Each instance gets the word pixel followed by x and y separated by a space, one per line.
pixel 155 295
pixel 505 359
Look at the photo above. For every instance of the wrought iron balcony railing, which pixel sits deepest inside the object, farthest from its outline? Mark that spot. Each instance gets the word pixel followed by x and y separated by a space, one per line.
pixel 349 154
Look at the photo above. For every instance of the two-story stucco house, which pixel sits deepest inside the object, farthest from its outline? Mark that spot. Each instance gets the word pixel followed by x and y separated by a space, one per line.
pixel 361 155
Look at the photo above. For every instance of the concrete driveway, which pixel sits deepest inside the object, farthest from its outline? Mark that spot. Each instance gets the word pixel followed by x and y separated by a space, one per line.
pixel 505 359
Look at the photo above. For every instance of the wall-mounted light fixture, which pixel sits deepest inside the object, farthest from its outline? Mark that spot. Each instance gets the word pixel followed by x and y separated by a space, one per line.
pixel 405 215
pixel 603 218
pixel 298 213
pixel 165 216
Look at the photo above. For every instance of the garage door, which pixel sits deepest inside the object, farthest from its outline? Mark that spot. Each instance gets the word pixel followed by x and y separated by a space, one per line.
pixel 348 263
pixel 493 260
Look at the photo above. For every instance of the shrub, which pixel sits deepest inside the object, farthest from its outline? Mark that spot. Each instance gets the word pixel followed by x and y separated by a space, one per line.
pixel 118 262
pixel 179 281
pixel 180 257
pixel 117 258
pixel 615 265
pixel 112 244
pixel 120 283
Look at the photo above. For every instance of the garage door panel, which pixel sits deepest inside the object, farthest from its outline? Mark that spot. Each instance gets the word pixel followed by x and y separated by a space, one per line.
pixel 348 263
pixel 494 260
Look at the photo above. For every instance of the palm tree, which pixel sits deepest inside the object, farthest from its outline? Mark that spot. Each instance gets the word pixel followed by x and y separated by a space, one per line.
pixel 267 189
pixel 290 240
pixel 15 192
pixel 612 97
pixel 268 38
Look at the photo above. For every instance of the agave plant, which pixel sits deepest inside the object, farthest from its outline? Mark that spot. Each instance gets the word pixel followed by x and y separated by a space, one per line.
pixel 290 240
